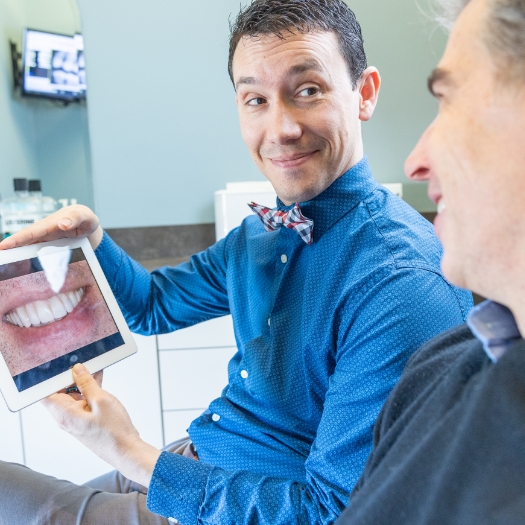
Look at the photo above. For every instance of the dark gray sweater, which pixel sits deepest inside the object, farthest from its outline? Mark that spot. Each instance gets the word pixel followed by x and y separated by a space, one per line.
pixel 449 444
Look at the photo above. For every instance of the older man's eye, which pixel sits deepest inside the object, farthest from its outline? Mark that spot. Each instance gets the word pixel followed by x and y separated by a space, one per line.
pixel 309 92
pixel 256 101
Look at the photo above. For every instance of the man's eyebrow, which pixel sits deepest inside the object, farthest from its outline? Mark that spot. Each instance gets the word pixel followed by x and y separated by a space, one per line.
pixel 303 67
pixel 438 75
pixel 245 80
pixel 298 69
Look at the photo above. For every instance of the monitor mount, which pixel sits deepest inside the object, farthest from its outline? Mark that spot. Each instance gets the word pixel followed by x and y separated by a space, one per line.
pixel 16 62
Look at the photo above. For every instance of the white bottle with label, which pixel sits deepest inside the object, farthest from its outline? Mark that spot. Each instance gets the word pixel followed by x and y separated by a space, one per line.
pixel 23 209
pixel 48 205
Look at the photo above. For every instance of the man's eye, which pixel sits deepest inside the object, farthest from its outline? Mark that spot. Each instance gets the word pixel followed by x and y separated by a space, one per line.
pixel 256 101
pixel 309 92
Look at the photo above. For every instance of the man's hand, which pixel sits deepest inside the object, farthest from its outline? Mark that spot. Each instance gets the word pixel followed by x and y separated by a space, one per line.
pixel 100 422
pixel 71 221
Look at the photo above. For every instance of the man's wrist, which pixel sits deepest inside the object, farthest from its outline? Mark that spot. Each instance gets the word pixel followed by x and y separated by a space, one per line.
pixel 96 237
pixel 138 461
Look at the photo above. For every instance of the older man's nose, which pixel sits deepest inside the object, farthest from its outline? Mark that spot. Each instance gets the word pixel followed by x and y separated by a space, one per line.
pixel 417 166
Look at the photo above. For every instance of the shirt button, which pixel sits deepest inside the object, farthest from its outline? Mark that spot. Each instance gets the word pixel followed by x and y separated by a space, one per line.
pixel 173 520
pixel 244 374
pixel 216 417
pixel 284 259
pixel 269 321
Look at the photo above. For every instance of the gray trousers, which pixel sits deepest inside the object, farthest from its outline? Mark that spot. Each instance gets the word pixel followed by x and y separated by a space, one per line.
pixel 31 498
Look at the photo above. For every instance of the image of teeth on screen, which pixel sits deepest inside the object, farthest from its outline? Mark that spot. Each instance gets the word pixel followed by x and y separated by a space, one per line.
pixel 53 316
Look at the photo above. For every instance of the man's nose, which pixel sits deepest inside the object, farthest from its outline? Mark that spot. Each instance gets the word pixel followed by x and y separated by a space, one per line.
pixel 283 126
pixel 417 166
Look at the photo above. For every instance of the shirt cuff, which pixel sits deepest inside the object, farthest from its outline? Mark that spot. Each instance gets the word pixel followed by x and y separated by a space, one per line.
pixel 109 256
pixel 177 487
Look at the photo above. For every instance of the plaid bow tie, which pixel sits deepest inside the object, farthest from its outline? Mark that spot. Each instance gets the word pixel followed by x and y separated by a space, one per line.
pixel 293 219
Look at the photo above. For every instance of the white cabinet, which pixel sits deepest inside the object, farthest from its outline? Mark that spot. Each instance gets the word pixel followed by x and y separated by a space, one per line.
pixel 210 334
pixel 164 386
pixel 193 378
pixel 11 448
pixel 193 371
pixel 176 423
pixel 32 437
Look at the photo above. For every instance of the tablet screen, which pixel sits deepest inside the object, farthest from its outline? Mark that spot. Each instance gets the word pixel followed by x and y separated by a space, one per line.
pixel 53 316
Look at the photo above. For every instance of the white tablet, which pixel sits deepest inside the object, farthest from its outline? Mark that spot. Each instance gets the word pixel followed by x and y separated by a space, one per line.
pixel 56 309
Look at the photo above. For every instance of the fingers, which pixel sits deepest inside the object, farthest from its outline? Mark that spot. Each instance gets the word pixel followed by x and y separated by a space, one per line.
pixel 71 221
pixel 66 410
pixel 86 383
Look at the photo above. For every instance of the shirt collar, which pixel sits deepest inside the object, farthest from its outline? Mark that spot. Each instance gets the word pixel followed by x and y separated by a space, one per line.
pixel 337 200
pixel 494 325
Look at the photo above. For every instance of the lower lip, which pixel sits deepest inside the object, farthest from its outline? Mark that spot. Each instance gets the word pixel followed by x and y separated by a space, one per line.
pixel 287 164
pixel 48 342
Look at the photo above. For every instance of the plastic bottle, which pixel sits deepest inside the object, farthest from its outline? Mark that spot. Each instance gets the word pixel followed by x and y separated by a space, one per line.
pixel 19 211
pixel 48 205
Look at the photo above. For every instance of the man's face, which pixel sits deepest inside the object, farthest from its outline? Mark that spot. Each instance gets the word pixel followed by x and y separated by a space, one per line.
pixel 473 156
pixel 299 114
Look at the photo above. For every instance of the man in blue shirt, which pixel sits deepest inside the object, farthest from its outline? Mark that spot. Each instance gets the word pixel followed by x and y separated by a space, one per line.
pixel 329 299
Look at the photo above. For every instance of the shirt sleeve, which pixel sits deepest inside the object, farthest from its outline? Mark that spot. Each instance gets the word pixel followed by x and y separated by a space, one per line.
pixel 379 330
pixel 169 298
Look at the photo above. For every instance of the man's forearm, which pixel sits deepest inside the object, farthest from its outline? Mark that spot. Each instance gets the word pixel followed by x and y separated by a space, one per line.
pixel 137 462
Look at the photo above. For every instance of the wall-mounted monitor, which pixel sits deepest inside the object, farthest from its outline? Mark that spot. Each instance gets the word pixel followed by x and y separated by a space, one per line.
pixel 53 66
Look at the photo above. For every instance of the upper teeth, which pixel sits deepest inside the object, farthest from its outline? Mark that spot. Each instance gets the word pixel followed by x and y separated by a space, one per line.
pixel 441 206
pixel 40 313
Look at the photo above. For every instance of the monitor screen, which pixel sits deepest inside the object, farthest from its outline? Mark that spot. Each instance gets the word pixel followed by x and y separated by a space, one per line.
pixel 45 331
pixel 53 65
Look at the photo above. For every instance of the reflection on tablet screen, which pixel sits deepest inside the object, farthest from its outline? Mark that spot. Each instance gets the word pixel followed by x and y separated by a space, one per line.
pixel 44 333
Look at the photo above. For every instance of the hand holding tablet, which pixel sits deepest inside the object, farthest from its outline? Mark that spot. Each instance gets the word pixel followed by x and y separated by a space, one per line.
pixel 49 322
pixel 70 222
pixel 100 422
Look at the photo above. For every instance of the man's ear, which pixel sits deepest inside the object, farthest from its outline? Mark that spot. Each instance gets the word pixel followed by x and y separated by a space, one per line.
pixel 368 86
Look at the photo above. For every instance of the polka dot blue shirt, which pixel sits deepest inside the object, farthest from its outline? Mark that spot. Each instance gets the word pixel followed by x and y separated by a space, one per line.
pixel 323 333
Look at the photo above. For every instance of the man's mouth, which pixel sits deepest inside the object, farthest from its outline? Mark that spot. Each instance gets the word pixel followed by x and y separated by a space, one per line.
pixel 41 313
pixel 292 161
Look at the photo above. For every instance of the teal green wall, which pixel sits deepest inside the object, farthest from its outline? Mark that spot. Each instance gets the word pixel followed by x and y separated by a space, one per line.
pixel 39 138
pixel 162 117
pixel 405 45
pixel 17 156
pixel 163 130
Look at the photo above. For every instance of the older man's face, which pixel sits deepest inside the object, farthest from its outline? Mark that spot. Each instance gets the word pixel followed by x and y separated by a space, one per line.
pixel 473 156
pixel 299 114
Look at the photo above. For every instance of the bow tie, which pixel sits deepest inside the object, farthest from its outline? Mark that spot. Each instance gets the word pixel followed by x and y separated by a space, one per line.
pixel 293 219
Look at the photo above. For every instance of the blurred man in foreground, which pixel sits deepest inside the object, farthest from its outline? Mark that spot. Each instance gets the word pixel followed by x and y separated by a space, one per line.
pixel 449 443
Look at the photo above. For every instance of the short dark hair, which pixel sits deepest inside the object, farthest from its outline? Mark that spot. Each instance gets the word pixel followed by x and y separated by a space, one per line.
pixel 277 17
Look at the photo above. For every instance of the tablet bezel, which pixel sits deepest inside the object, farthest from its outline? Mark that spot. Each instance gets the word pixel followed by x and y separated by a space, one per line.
pixel 16 400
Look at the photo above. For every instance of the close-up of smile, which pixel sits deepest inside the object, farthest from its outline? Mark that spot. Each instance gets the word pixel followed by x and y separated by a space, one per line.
pixel 44 312
pixel 293 161
pixel 38 325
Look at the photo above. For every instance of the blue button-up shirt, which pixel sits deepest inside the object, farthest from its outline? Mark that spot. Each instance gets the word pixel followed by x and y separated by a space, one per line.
pixel 324 334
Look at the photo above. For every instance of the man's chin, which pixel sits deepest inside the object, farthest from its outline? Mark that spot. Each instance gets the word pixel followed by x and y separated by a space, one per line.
pixel 453 269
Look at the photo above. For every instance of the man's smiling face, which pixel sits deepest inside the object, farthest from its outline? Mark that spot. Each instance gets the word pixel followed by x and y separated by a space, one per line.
pixel 473 157
pixel 299 114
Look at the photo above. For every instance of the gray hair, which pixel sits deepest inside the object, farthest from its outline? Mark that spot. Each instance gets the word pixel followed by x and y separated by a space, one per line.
pixel 505 35
pixel 449 10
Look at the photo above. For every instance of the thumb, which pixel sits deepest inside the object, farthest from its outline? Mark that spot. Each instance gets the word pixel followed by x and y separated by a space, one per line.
pixel 85 382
